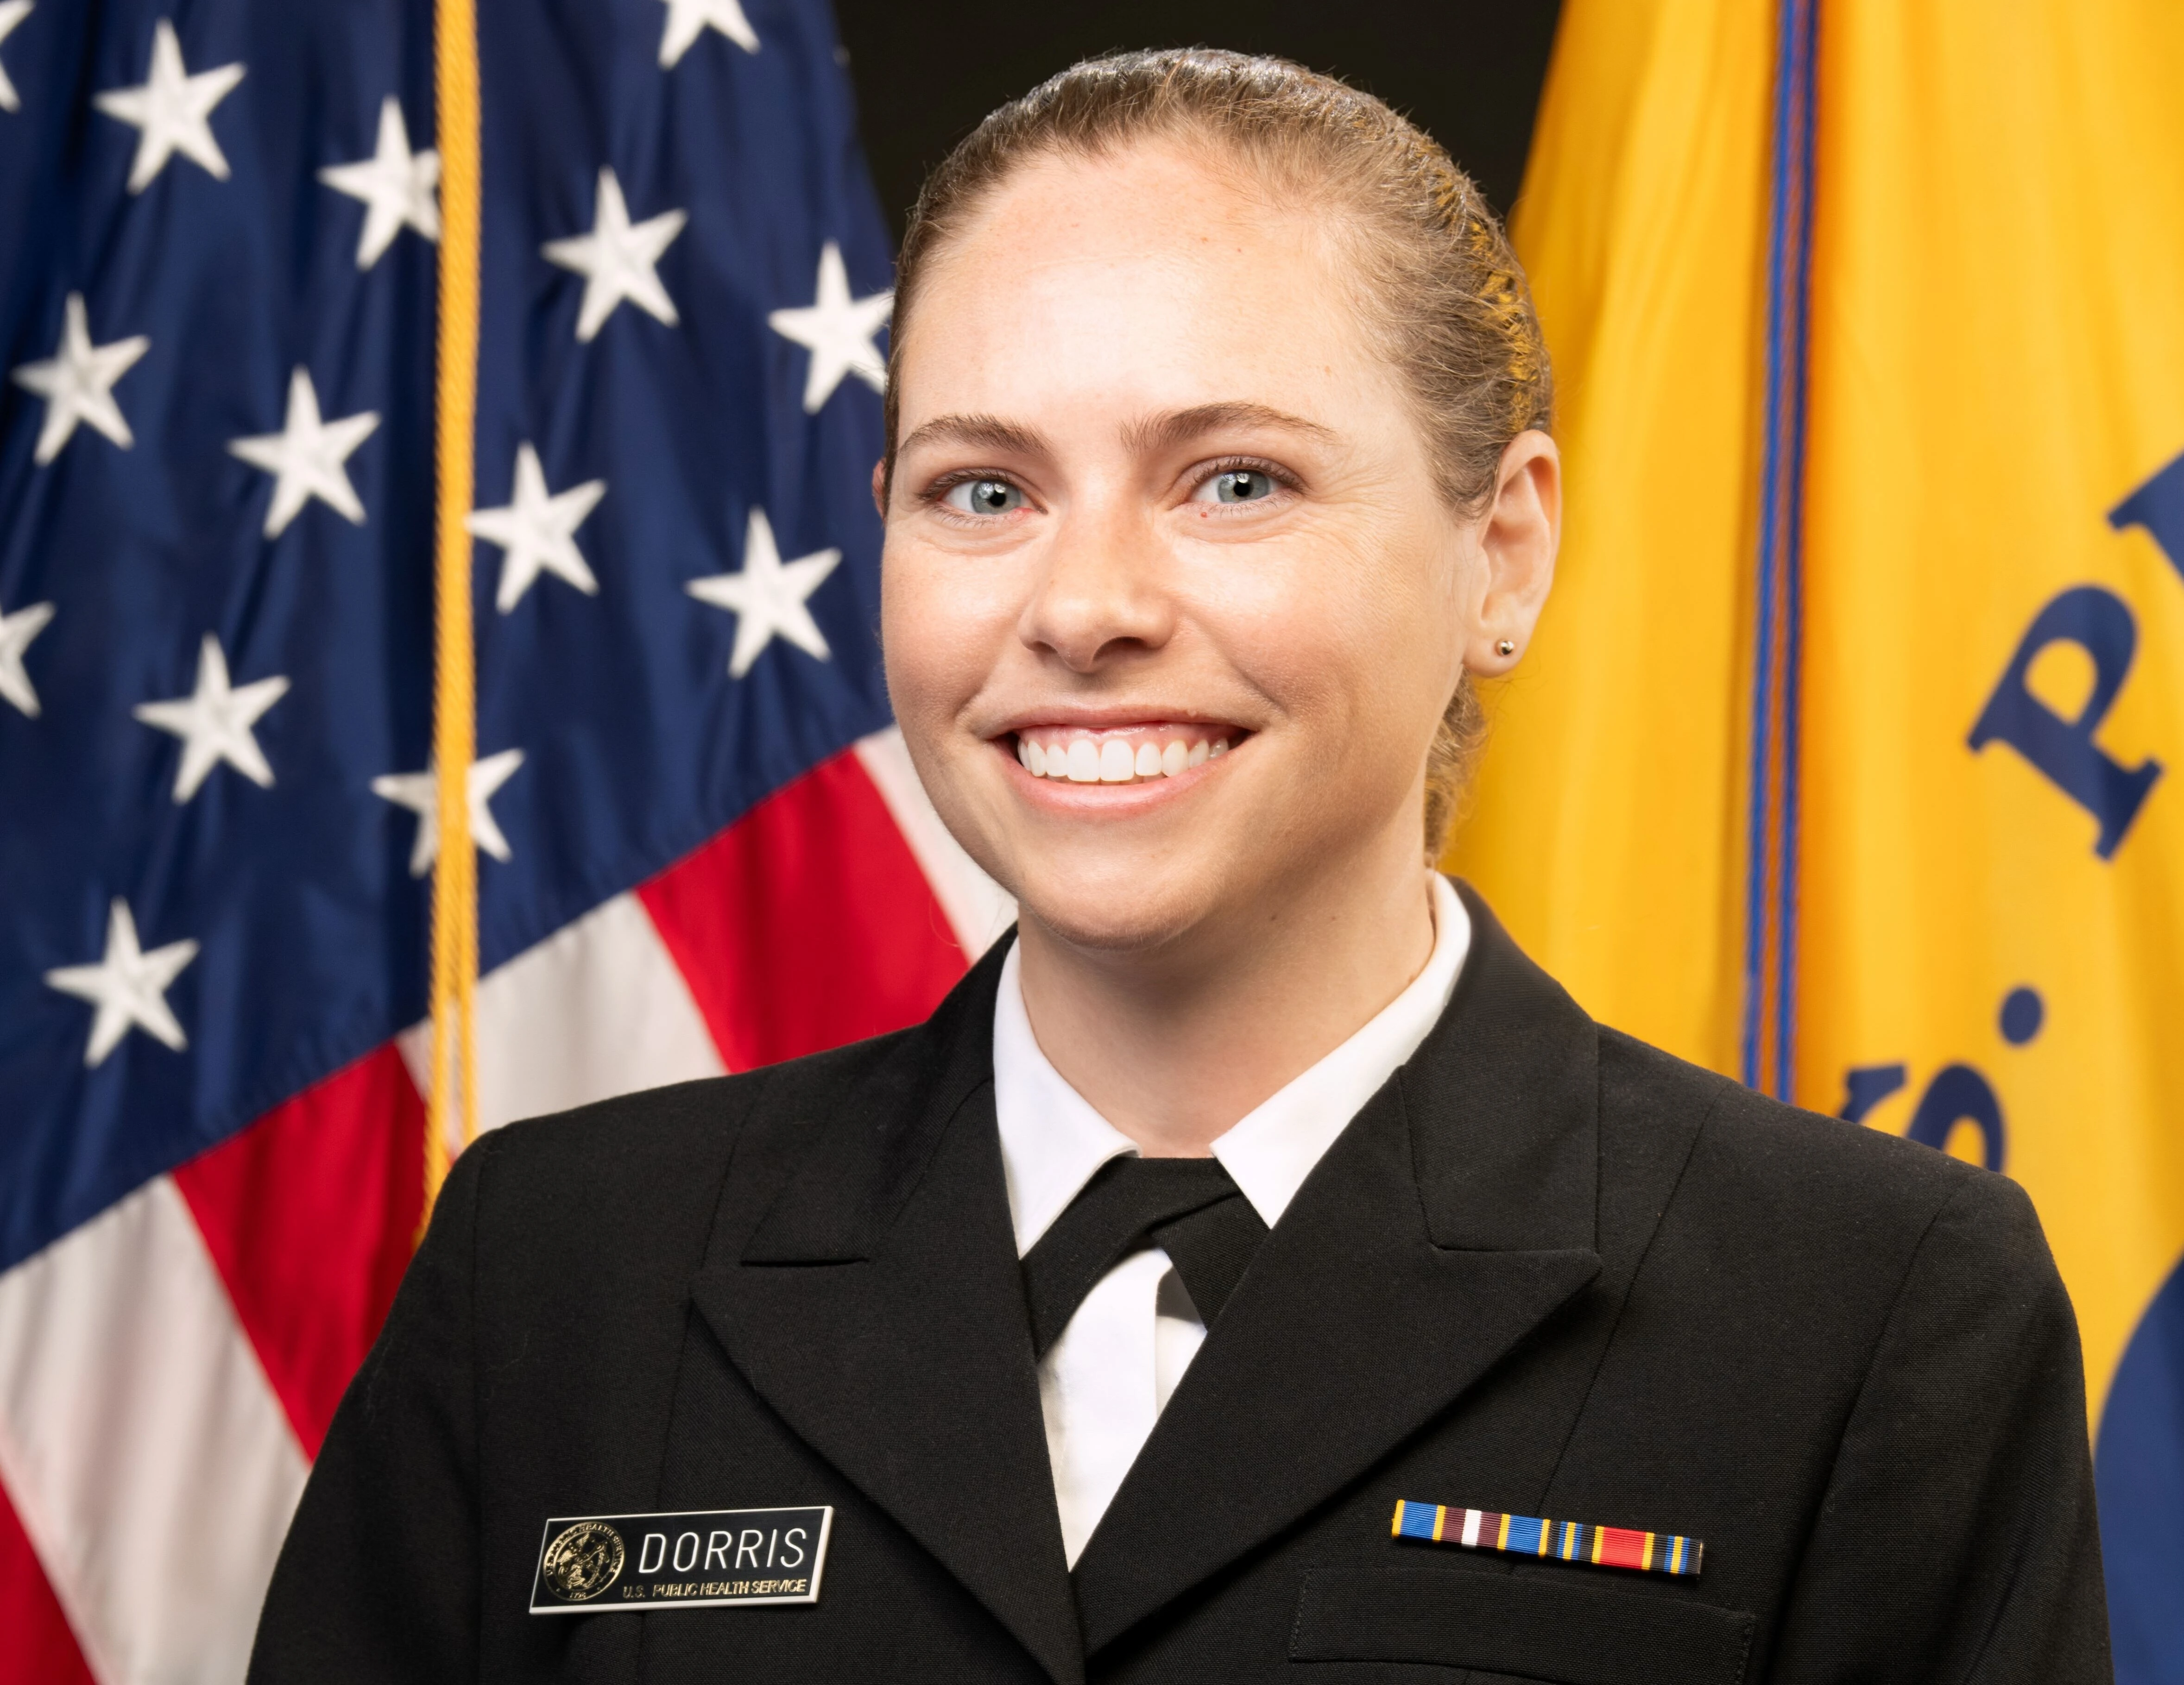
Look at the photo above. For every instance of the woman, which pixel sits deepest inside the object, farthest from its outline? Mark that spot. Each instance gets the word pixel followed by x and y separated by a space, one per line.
pixel 1260 1228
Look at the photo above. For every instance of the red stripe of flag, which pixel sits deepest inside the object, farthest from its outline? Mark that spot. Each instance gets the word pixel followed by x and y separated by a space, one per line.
pixel 37 1646
pixel 806 924
pixel 310 1214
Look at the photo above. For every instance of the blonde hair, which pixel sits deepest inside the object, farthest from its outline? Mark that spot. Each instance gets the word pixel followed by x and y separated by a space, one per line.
pixel 1438 282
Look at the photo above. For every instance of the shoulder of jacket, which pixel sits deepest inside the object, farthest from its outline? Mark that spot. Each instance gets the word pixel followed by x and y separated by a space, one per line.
pixel 653 1148
pixel 1750 1140
pixel 1814 1210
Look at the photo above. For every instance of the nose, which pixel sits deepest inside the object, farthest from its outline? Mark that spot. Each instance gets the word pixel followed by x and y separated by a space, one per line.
pixel 1103 594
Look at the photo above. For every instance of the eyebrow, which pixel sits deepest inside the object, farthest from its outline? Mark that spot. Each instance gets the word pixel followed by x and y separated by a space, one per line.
pixel 989 432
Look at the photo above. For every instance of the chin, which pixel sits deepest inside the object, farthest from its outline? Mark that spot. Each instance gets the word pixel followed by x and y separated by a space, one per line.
pixel 1138 935
pixel 1120 909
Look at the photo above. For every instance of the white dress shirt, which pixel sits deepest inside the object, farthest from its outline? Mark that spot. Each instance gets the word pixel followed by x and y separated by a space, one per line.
pixel 1105 1381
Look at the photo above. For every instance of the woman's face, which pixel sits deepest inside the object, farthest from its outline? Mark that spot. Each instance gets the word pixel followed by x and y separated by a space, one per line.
pixel 1162 526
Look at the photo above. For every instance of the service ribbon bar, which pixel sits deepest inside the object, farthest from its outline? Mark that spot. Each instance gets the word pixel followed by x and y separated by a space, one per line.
pixel 1535 1536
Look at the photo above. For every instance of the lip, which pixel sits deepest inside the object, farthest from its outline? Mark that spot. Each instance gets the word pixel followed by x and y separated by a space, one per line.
pixel 1084 717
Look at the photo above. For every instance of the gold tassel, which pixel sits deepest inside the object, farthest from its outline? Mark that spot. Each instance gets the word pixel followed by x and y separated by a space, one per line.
pixel 452 1107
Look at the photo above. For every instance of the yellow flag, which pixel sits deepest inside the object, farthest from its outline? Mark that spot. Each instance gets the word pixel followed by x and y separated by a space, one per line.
pixel 1854 760
pixel 1604 827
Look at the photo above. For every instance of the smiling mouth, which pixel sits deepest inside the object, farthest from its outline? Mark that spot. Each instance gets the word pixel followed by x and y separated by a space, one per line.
pixel 1135 755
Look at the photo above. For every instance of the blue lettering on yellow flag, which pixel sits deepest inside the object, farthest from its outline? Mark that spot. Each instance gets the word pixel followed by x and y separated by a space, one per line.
pixel 2099 622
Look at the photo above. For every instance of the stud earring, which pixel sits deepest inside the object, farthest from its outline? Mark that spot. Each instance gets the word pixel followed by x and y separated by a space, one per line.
pixel 1506 647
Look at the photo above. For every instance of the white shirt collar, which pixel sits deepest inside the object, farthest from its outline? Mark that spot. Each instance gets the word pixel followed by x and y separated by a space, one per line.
pixel 1052 1140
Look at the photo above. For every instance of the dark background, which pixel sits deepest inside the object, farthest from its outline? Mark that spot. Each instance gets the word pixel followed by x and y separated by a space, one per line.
pixel 1467 70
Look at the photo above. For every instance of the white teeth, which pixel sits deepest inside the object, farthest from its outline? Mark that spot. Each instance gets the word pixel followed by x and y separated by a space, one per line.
pixel 1118 760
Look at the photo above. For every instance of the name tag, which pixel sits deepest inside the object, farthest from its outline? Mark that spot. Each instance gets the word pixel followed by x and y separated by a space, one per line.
pixel 691 1558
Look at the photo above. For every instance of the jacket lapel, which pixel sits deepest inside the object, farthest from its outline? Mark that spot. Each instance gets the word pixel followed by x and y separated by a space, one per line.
pixel 877 1307
pixel 1455 1214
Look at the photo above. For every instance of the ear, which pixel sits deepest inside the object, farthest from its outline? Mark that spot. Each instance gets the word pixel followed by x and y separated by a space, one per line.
pixel 1517 541
pixel 880 486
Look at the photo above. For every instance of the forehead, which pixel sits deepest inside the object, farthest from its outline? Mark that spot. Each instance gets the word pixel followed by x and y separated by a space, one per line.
pixel 1156 276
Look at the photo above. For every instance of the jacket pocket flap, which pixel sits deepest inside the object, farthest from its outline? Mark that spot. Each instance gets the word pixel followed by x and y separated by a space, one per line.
pixel 1529 1625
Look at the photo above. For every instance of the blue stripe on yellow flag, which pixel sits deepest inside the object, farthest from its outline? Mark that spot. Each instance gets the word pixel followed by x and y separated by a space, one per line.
pixel 1850 758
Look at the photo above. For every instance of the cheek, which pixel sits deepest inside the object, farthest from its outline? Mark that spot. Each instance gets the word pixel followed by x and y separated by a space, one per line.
pixel 915 658
pixel 1355 641
pixel 943 621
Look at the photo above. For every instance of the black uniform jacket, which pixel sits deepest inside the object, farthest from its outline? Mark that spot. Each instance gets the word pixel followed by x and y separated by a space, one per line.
pixel 1546 1270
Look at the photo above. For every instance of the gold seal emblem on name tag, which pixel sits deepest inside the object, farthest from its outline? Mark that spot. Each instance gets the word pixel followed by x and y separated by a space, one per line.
pixel 583 1560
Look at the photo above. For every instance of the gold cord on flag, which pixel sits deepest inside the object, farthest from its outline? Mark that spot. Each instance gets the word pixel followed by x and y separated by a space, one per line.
pixel 453 1093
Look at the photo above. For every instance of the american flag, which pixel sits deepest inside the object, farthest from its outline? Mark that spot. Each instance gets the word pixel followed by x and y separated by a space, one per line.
pixel 701 843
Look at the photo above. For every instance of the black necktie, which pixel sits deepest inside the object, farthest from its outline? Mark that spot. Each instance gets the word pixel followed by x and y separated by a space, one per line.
pixel 1189 1207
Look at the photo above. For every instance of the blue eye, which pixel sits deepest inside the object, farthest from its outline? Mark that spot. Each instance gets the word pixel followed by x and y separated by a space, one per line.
pixel 1240 485
pixel 984 496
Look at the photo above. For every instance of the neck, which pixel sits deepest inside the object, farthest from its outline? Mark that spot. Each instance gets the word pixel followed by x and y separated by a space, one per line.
pixel 1172 1046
